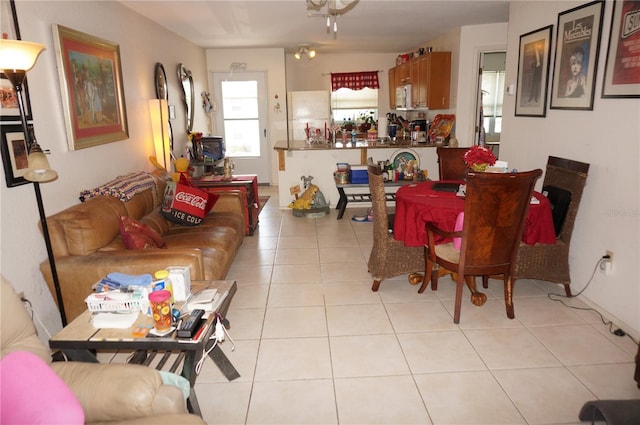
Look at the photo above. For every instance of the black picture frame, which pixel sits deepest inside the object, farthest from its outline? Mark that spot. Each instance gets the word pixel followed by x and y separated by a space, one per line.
pixel 9 110
pixel 622 81
pixel 577 42
pixel 13 147
pixel 533 73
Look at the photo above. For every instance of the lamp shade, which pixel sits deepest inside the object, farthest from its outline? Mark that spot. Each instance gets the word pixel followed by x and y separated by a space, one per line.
pixel 18 54
pixel 158 110
pixel 39 168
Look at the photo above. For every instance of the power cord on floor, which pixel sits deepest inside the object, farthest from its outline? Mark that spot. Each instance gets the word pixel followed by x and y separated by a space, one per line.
pixel 217 336
pixel 618 331
pixel 34 316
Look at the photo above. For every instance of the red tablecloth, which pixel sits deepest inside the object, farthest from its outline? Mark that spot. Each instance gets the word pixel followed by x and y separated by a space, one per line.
pixel 418 203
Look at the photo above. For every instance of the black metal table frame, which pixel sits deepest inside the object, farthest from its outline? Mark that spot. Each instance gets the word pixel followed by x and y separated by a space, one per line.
pixel 345 198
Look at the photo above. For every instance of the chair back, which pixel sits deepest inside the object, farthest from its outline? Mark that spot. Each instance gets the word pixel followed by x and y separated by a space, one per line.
pixel 566 175
pixel 451 165
pixel 378 202
pixel 495 211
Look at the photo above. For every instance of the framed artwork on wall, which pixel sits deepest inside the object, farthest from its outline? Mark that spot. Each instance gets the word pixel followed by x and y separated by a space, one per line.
pixel 622 68
pixel 8 100
pixel 533 73
pixel 92 91
pixel 576 58
pixel 13 147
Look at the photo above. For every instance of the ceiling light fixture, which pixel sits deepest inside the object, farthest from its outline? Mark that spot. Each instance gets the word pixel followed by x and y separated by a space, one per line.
pixel 305 50
pixel 334 8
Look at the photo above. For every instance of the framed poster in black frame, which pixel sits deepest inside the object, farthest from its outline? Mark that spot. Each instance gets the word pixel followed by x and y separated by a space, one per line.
pixel 533 73
pixel 576 57
pixel 13 147
pixel 9 102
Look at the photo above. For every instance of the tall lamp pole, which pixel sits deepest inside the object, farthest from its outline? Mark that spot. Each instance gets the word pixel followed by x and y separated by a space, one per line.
pixel 16 58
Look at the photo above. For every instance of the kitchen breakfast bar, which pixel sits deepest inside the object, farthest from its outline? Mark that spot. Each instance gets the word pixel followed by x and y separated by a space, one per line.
pixel 299 158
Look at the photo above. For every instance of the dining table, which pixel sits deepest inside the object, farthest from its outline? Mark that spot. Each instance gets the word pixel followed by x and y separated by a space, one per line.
pixel 423 202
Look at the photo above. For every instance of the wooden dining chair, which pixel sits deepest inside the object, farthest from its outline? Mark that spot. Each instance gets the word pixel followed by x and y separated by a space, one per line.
pixel 495 211
pixel 451 166
pixel 564 182
pixel 389 257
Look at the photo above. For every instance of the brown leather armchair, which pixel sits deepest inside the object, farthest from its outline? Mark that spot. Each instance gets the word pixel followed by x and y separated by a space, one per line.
pixel 108 393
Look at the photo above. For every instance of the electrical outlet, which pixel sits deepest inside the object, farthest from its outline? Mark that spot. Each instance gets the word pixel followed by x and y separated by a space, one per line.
pixel 606 264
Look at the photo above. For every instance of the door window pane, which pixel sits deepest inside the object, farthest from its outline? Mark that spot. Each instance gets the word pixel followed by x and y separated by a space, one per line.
pixel 240 114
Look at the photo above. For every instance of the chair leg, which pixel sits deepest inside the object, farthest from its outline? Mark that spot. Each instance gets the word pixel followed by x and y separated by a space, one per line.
pixel 428 268
pixel 376 285
pixel 509 283
pixel 567 290
pixel 485 282
pixel 458 302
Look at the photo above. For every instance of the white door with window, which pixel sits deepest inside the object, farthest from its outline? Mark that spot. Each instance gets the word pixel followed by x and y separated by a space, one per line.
pixel 241 119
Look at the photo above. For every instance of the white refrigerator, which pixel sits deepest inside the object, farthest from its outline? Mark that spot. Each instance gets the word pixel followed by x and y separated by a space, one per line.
pixel 310 109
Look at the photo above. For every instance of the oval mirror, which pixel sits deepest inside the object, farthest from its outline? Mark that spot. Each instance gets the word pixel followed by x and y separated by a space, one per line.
pixel 186 82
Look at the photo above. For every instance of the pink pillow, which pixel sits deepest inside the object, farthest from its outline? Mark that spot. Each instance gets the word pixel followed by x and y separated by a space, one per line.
pixel 136 235
pixel 457 242
pixel 32 393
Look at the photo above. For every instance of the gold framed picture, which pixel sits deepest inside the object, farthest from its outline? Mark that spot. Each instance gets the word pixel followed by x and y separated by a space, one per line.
pixel 92 91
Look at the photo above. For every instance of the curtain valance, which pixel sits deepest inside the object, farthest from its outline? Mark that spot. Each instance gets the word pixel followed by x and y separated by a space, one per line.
pixel 355 80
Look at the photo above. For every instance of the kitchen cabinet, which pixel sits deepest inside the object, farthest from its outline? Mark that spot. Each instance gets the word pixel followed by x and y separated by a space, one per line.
pixel 432 82
pixel 392 88
pixel 430 79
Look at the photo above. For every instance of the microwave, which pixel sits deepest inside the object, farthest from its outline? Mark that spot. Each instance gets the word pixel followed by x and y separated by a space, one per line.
pixel 403 97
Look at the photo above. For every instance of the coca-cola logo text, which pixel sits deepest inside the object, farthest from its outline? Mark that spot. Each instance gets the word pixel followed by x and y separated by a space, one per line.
pixel 191 199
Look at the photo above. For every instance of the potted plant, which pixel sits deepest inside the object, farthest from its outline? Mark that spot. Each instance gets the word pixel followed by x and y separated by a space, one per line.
pixel 367 121
pixel 348 125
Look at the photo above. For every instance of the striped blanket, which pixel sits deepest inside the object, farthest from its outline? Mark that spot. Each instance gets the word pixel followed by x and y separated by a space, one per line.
pixel 122 187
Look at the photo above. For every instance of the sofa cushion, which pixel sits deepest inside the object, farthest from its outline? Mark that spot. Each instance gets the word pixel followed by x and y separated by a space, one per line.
pixel 91 225
pixel 136 235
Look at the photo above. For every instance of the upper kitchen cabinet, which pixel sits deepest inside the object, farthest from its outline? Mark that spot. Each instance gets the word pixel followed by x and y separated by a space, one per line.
pixel 430 79
pixel 433 80
pixel 392 88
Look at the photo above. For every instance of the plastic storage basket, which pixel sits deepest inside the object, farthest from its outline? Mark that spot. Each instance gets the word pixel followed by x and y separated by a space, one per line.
pixel 113 301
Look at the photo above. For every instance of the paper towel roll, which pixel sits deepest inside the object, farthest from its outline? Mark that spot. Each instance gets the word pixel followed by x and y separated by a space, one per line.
pixel 382 126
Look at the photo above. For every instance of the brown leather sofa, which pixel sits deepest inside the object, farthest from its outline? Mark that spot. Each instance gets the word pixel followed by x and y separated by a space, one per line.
pixel 108 393
pixel 87 245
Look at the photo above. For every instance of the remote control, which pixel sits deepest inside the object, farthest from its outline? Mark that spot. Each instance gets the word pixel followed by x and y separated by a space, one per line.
pixel 191 324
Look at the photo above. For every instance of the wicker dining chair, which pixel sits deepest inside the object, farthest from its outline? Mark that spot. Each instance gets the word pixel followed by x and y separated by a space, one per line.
pixel 495 212
pixel 389 257
pixel 564 181
pixel 451 166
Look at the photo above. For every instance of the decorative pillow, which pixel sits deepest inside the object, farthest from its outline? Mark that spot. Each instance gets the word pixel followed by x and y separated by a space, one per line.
pixel 32 393
pixel 185 204
pixel 136 235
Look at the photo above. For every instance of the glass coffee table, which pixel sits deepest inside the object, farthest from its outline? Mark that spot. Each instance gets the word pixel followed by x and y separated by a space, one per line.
pixel 80 341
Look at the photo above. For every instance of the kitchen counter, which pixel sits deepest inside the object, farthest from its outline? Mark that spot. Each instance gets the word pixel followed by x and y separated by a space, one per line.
pixel 362 145
pixel 319 160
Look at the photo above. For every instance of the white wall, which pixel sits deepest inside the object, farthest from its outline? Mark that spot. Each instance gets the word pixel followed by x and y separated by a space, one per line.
pixel 608 139
pixel 270 61
pixel 142 44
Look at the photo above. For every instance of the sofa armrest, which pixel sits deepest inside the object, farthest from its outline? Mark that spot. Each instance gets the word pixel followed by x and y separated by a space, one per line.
pixel 229 201
pixel 112 392
pixel 77 274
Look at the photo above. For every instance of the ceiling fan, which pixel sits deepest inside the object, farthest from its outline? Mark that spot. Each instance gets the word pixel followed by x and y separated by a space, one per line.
pixel 334 8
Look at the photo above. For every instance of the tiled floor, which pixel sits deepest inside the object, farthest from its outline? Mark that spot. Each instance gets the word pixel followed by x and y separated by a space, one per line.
pixel 314 345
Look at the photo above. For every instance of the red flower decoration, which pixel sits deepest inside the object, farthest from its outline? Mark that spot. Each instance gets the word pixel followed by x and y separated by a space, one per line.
pixel 477 155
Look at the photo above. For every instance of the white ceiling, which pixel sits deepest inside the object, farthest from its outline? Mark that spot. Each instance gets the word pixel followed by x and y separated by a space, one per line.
pixel 370 26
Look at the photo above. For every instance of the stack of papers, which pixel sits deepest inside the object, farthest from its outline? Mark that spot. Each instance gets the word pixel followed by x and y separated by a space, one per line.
pixel 114 320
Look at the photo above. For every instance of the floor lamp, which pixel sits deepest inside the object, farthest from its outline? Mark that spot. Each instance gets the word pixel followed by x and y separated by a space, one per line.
pixel 16 58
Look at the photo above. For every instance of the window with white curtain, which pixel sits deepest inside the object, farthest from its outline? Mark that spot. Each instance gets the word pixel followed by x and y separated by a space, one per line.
pixel 348 105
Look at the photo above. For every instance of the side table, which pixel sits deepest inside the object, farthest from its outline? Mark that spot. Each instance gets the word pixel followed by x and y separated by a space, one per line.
pixel 79 340
pixel 247 183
